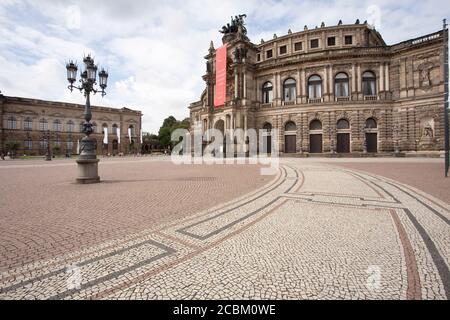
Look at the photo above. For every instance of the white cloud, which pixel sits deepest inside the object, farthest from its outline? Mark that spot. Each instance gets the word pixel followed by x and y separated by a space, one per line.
pixel 154 49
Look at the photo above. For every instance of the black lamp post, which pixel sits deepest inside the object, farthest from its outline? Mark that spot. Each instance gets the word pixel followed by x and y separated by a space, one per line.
pixel 87 160
pixel 48 156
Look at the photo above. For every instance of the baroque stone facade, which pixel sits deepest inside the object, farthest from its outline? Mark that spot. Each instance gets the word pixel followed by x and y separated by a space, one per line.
pixel 26 122
pixel 338 89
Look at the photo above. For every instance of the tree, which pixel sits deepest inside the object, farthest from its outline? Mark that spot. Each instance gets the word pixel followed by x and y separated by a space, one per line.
pixel 12 146
pixel 169 125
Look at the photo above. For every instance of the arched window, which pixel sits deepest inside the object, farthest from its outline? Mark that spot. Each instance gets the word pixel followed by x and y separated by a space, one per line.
pixel 343 124
pixel 69 145
pixel 57 126
pixel 43 144
pixel 371 123
pixel 267 127
pixel 341 85
pixel 131 130
pixel 114 129
pixel 43 125
pixel 290 91
pixel 290 126
pixel 369 83
pixel 315 125
pixel 315 87
pixel 267 92
pixel 71 126
pixel 12 123
pixel 28 124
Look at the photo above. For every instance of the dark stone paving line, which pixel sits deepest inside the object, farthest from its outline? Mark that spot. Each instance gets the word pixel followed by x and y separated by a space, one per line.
pixel 183 230
pixel 111 276
pixel 219 230
pixel 438 260
pixel 84 263
pixel 440 215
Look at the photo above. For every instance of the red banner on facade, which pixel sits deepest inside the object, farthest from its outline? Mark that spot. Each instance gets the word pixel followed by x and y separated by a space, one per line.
pixel 221 77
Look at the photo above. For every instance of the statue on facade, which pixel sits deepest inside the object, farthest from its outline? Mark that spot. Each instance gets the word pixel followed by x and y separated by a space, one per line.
pixel 427 131
pixel 236 23
pixel 427 140
pixel 425 77
pixel 240 54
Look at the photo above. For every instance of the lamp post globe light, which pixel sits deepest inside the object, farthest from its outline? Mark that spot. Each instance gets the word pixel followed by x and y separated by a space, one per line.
pixel 87 160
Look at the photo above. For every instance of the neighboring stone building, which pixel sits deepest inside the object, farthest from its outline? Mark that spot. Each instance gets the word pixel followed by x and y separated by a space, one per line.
pixel 337 89
pixel 26 122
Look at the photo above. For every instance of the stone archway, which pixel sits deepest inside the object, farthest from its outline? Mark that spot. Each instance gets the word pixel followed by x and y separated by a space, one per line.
pixel 290 137
pixel 267 138
pixel 315 137
pixel 220 125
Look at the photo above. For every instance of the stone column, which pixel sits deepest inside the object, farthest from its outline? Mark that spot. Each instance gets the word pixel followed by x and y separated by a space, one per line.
pixel 381 77
pixel 245 85
pixel 358 79
pixel 387 76
pixel 236 83
pixel 330 83
pixel 303 86
pixel 353 89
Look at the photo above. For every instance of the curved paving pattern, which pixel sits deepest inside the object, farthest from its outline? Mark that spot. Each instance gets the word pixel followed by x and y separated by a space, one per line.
pixel 314 232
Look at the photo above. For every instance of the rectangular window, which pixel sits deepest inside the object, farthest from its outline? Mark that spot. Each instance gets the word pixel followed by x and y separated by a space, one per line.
pixel 298 46
pixel 28 125
pixel 12 124
pixel 258 57
pixel 331 41
pixel 314 43
pixel 43 126
pixel 348 39
pixel 269 54
pixel 28 145
pixel 283 49
pixel 43 144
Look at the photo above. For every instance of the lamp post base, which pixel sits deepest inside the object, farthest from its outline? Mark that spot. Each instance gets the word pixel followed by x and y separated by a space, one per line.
pixel 88 171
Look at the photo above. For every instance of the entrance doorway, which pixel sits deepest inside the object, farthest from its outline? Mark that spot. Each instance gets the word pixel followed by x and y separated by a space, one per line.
pixel 267 138
pixel 290 143
pixel 315 143
pixel 343 142
pixel 290 137
pixel 343 136
pixel 315 137
pixel 372 142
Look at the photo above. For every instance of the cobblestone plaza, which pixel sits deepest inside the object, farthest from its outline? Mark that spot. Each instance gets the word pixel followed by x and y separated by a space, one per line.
pixel 318 229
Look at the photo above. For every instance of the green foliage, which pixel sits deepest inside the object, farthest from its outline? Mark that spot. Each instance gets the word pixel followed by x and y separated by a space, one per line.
pixel 12 146
pixel 169 125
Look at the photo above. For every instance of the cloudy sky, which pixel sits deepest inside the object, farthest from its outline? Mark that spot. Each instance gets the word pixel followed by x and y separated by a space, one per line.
pixel 154 49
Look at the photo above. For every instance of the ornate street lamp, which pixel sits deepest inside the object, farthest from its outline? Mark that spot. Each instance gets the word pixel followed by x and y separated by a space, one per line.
pixel 87 160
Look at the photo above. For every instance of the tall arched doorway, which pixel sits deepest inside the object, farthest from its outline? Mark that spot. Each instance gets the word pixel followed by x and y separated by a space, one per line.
pixel 290 137
pixel 267 138
pixel 315 136
pixel 220 125
pixel 343 136
pixel 371 135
